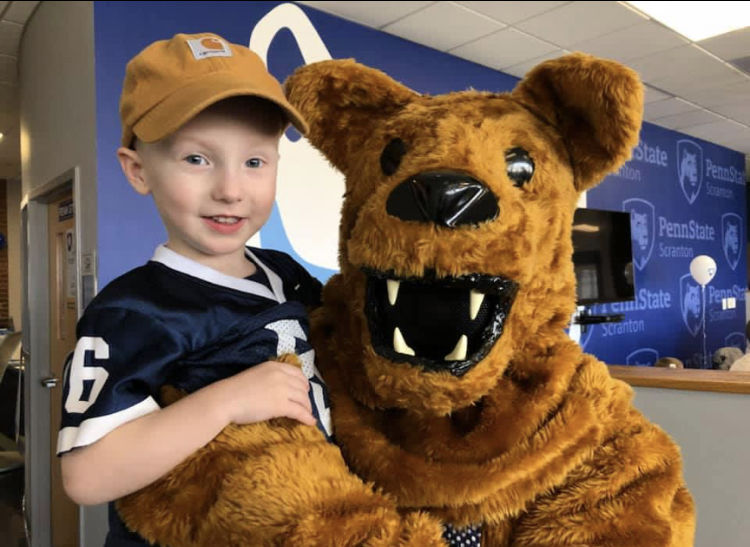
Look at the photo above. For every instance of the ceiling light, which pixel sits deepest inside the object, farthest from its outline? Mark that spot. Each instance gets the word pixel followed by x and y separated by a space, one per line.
pixel 698 20
pixel 1 136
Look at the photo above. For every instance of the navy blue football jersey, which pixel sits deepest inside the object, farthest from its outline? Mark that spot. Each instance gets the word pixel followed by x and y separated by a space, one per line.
pixel 174 321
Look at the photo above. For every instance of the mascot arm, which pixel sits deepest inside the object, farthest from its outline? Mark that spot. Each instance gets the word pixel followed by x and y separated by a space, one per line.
pixel 631 492
pixel 270 483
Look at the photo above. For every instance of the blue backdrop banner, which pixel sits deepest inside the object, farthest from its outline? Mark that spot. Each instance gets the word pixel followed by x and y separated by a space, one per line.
pixel 685 196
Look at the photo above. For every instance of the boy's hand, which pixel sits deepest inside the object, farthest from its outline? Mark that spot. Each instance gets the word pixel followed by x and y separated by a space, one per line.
pixel 269 390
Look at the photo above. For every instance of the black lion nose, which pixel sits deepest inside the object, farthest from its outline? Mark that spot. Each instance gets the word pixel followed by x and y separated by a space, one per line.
pixel 446 198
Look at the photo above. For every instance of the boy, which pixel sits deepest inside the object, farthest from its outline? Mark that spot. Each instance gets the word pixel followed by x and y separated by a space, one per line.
pixel 201 122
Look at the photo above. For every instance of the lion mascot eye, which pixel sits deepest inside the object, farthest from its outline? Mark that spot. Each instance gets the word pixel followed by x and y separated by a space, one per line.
pixel 520 166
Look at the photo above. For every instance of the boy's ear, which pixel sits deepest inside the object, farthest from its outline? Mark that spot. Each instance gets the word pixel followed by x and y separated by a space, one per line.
pixel 342 101
pixel 132 168
pixel 595 104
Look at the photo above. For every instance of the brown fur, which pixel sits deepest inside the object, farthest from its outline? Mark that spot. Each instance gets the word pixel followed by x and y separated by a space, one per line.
pixel 536 443
pixel 270 483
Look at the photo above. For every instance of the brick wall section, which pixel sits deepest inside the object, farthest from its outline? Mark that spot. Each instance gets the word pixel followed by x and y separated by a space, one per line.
pixel 4 251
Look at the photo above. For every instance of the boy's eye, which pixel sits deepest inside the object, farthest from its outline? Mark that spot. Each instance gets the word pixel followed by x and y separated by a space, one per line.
pixel 254 162
pixel 195 159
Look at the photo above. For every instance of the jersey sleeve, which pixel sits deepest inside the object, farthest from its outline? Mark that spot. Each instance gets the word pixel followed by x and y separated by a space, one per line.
pixel 121 359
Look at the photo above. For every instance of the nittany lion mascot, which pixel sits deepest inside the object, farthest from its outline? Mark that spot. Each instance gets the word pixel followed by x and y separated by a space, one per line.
pixel 465 414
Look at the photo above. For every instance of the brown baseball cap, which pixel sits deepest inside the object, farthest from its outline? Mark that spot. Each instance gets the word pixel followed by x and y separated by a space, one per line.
pixel 171 81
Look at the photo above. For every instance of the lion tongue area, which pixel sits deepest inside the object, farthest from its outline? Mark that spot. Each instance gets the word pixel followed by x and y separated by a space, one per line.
pixel 431 319
pixel 439 323
pixel 434 321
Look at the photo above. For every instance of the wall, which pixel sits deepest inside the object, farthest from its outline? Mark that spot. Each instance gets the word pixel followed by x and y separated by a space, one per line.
pixel 57 133
pixel 713 432
pixel 4 308
pixel 13 199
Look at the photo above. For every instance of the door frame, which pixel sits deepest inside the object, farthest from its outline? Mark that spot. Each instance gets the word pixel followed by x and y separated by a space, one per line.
pixel 36 337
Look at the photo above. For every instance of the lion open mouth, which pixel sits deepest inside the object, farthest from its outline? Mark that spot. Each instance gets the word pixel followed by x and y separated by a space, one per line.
pixel 447 323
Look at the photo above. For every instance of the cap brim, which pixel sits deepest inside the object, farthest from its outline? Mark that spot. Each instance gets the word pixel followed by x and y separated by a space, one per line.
pixel 174 111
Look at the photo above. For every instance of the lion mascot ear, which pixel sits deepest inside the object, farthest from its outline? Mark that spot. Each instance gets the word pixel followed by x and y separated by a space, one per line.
pixel 596 105
pixel 341 99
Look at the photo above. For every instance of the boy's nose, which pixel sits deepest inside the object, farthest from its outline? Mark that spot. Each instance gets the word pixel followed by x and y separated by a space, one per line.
pixel 227 188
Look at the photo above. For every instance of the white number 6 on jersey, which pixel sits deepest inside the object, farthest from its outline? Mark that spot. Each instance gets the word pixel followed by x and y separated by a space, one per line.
pixel 78 373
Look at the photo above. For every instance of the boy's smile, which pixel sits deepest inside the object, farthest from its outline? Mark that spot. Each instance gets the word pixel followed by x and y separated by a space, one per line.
pixel 224 225
pixel 213 182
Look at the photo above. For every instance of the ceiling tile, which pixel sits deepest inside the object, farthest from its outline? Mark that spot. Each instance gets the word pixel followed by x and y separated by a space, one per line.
pixel 8 69
pixel 632 42
pixel 666 107
pixel 7 90
pixel 730 45
pixel 715 131
pixel 443 26
pixel 7 121
pixel 712 96
pixel 503 48
pixel 676 62
pixel 19 12
pixel 511 12
pixel 578 21
pixel 737 111
pixel 10 37
pixel 521 69
pixel 371 14
pixel 652 95
pixel 711 73
pixel 688 119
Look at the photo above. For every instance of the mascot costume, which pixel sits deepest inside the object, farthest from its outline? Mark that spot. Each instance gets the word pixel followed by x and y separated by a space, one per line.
pixel 465 414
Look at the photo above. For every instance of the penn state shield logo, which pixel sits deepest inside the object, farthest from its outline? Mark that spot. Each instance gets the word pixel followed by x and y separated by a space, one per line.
pixel 644 357
pixel 735 339
pixel 689 168
pixel 642 229
pixel 731 238
pixel 691 304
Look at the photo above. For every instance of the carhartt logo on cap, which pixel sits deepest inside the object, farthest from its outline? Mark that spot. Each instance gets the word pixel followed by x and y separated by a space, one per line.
pixel 209 46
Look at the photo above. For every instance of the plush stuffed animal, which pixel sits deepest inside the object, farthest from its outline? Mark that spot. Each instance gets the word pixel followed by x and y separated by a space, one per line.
pixel 742 364
pixel 454 386
pixel 724 358
pixel 732 359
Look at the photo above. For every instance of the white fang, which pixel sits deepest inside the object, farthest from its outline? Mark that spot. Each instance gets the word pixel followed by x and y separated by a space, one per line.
pixel 459 352
pixel 475 302
pixel 393 287
pixel 399 344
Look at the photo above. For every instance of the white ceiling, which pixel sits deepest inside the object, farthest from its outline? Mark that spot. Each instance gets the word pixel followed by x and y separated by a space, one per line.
pixel 699 88
pixel 13 16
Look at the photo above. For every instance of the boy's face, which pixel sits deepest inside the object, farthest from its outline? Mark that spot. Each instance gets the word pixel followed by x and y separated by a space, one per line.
pixel 213 182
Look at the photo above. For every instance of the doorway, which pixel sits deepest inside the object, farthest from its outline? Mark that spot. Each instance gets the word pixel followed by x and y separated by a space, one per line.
pixel 51 257
pixel 63 275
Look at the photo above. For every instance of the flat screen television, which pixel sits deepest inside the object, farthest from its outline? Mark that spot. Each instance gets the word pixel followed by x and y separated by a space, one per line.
pixel 602 256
